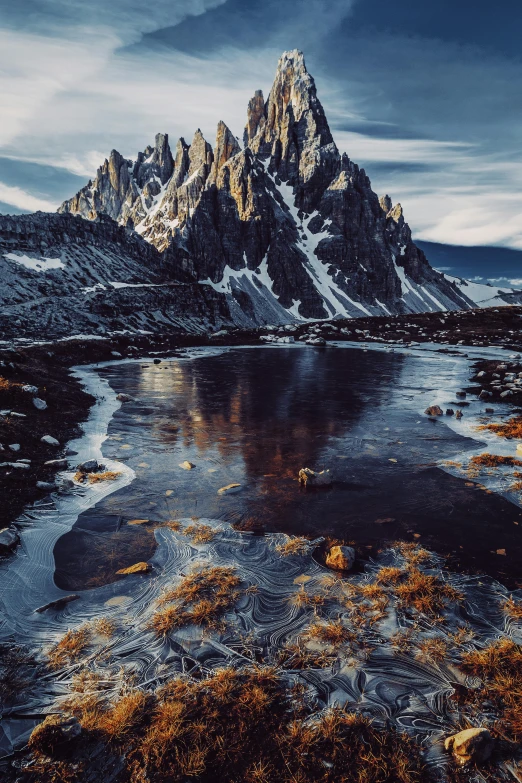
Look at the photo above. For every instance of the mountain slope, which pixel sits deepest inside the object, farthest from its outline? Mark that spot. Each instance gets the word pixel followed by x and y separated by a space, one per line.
pixel 287 227
pixel 62 274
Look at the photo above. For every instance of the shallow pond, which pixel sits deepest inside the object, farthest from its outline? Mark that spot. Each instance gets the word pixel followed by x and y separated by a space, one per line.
pixel 255 417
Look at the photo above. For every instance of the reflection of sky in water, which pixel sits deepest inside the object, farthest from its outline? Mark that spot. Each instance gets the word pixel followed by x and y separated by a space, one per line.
pixel 256 417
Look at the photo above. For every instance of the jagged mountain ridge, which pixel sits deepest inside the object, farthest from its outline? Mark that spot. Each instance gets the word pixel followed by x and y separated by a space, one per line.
pixel 286 227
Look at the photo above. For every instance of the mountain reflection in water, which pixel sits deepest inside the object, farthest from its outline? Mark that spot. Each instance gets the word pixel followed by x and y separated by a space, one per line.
pixel 255 417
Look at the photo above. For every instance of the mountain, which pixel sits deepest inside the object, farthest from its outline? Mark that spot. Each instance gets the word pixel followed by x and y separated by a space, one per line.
pixel 64 275
pixel 286 226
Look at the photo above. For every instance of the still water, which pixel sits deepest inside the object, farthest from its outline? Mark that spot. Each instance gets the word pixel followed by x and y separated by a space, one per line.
pixel 255 417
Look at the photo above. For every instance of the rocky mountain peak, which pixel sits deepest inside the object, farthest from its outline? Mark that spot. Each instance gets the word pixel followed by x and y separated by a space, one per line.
pixel 226 147
pixel 255 117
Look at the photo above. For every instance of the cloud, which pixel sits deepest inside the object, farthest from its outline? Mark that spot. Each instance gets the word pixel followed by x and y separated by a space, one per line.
pixel 20 199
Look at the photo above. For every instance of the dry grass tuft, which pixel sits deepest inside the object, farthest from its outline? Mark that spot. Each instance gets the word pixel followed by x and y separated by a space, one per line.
pixel 512 609
pixel 329 632
pixel 104 627
pixel 199 533
pixel 412 552
pixel 389 575
pixel 301 599
pixel 107 475
pixel 499 665
pixel 493 460
pixel 296 656
pixel 434 648
pixel 296 545
pixel 508 429
pixel 70 647
pixel 426 593
pixel 202 597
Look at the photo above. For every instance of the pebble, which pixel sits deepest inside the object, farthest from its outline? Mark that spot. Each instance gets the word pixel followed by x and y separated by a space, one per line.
pixel 50 440
pixel 41 405
pixel 14 446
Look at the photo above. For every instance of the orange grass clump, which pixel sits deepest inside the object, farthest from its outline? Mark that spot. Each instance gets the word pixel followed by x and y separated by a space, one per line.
pixel 107 475
pixel 297 545
pixel 426 593
pixel 332 633
pixel 248 726
pixel 69 648
pixel 199 533
pixel 203 597
pixel 493 460
pixel 508 429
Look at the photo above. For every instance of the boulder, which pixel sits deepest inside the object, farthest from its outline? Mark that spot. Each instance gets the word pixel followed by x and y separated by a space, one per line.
pixel 9 538
pixel 157 361
pixel 124 397
pixel 58 604
pixel 137 568
pixel 316 341
pixel 449 412
pixel 14 446
pixel 341 558
pixel 39 404
pixel 433 410
pixel 310 478
pixel 470 746
pixel 89 466
pixel 50 440
pixel 485 394
pixel 55 731
pixel 186 465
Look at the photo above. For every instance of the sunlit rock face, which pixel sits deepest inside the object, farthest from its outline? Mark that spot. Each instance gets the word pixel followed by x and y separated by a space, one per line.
pixel 287 226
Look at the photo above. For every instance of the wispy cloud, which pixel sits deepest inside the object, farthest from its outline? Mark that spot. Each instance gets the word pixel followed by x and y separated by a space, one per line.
pixel 22 200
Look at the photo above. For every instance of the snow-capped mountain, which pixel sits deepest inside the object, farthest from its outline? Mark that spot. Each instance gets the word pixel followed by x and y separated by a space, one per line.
pixel 286 227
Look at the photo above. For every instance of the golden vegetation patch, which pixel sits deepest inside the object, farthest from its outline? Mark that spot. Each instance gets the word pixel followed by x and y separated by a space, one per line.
pixel 493 460
pixel 499 665
pixel 107 475
pixel 329 632
pixel 70 647
pixel 244 725
pixel 202 597
pixel 507 429
pixel 426 593
pixel 296 545
pixel 512 609
pixel 199 533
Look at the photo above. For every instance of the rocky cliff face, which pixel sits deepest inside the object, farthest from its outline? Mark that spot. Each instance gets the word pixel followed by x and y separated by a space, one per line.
pixel 287 227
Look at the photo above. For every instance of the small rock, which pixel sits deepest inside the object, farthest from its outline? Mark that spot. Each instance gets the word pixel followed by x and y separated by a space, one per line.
pixel 30 389
pixel 89 466
pixel 58 604
pixel 309 477
pixel 9 538
pixel 341 557
pixel 14 446
pixel 41 405
pixel 449 412
pixel 490 410
pixel 18 415
pixel 485 394
pixel 59 464
pixel 14 465
pixel 46 485
pixel 117 354
pixel 223 333
pixel 433 410
pixel 459 414
pixel 137 568
pixel 124 397
pixel 481 374
pixel 229 489
pixel 461 395
pixel 157 361
pixel 470 746
pixel 187 465
pixel 50 440
pixel 316 341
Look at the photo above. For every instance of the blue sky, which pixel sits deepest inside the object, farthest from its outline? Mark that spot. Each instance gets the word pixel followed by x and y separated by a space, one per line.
pixel 426 96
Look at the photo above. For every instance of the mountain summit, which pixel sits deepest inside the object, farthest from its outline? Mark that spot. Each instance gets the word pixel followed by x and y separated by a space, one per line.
pixel 287 226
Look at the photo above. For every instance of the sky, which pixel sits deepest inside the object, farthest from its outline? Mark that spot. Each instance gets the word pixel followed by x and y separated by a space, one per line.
pixel 425 96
